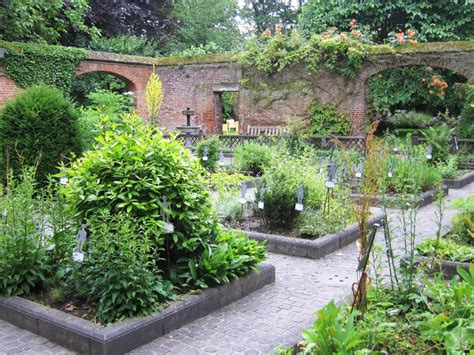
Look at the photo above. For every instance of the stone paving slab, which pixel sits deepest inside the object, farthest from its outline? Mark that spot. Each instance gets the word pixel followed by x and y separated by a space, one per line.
pixel 271 317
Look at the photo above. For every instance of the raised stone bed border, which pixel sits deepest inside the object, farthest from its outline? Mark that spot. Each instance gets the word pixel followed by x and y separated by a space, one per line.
pixel 313 249
pixel 448 268
pixel 87 337
pixel 460 182
pixel 427 197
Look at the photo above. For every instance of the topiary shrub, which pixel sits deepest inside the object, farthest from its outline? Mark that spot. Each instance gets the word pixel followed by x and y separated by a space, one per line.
pixel 208 153
pixel 38 127
pixel 128 173
pixel 325 120
pixel 252 157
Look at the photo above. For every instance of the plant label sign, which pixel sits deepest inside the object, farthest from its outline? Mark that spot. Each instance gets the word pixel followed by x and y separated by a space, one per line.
pixel 168 228
pixel 299 197
pixel 78 257
pixel 261 205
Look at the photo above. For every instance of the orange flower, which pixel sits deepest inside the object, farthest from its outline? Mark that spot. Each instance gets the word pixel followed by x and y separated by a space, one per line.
pixel 342 36
pixel 267 32
pixel 441 93
pixel 278 28
pixel 353 23
pixel 444 84
pixel 356 33
pixel 400 37
pixel 411 33
pixel 413 41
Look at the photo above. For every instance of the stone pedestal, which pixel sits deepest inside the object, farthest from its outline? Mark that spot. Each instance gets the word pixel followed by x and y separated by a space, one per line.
pixel 192 130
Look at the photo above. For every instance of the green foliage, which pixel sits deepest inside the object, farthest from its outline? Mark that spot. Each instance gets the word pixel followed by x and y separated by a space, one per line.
pixel 413 88
pixel 222 181
pixel 105 108
pixel 119 272
pixel 463 222
pixel 205 21
pixel 313 223
pixel 414 173
pixel 31 64
pixel 252 157
pixel 208 153
pixel 465 128
pixel 446 249
pixel 434 20
pixel 270 14
pixel 449 170
pixel 438 138
pixel 283 176
pixel 272 54
pixel 23 259
pixel 47 21
pixel 85 84
pixel 331 333
pixel 409 119
pixel 325 120
pixel 230 102
pixel 202 49
pixel 125 44
pixel 38 127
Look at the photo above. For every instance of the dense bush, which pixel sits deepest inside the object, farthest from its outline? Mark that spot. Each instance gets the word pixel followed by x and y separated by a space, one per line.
pixel 465 127
pixel 282 177
pixel 119 272
pixel 446 249
pixel 128 173
pixel 252 157
pixel 38 127
pixel 438 138
pixel 409 119
pixel 208 153
pixel 325 120
pixel 463 222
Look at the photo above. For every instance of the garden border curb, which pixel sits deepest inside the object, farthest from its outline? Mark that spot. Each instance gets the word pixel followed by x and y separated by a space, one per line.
pixel 89 338
pixel 313 249
pixel 427 197
pixel 460 182
pixel 448 267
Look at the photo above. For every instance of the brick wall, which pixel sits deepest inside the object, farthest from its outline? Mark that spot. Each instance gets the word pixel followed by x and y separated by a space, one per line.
pixel 263 100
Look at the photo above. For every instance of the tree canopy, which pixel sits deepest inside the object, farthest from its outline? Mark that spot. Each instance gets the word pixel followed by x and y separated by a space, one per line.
pixel 433 20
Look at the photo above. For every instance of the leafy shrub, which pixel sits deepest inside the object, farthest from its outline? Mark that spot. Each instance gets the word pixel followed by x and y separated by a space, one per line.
pixel 208 48
pixel 222 181
pixel 23 259
pixel 331 333
pixel 325 120
pixel 125 44
pixel 129 172
pixel 283 176
pixel 449 170
pixel 119 272
pixel 208 153
pixel 438 138
pixel 465 127
pixel 463 222
pixel 252 157
pixel 39 125
pixel 413 173
pixel 446 249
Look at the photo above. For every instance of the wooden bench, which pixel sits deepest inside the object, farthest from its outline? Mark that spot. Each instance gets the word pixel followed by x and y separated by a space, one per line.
pixel 266 130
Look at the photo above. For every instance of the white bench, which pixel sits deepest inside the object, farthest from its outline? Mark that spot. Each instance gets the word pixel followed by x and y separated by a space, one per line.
pixel 266 130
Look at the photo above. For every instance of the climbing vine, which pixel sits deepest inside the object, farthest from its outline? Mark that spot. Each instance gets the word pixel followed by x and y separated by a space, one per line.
pixel 29 64
pixel 340 51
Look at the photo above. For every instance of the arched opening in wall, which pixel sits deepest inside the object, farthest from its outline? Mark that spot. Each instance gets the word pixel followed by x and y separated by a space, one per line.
pixel 415 98
pixel 98 89
pixel 227 111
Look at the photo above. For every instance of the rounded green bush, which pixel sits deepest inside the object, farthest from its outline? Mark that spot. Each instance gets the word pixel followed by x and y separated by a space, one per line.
pixel 252 157
pixel 38 127
pixel 208 153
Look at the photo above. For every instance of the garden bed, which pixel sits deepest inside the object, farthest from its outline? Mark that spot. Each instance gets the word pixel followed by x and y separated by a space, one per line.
pixel 447 267
pixel 87 337
pixel 459 182
pixel 427 197
pixel 313 249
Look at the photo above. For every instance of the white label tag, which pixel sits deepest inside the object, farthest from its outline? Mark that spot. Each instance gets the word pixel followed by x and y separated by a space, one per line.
pixel 78 257
pixel 299 207
pixel 390 174
pixel 63 180
pixel 329 184
pixel 429 157
pixel 204 158
pixel 261 205
pixel 4 213
pixel 221 163
pixel 242 200
pixel 358 175
pixel 168 228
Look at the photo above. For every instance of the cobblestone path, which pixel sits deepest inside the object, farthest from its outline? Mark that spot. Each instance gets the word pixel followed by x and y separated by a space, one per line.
pixel 273 316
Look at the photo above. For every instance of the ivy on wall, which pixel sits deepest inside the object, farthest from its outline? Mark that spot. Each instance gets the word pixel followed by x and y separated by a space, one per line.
pixel 30 64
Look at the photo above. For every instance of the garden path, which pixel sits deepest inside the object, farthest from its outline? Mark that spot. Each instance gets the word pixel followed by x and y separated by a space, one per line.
pixel 270 317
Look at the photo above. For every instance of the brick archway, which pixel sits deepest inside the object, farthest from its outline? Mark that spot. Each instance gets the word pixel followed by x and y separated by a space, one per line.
pixel 456 62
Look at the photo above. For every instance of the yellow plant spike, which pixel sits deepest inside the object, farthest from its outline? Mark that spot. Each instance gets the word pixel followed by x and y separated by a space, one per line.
pixel 154 95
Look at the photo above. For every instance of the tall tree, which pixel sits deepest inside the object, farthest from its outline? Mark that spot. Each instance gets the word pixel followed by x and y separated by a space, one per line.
pixel 434 20
pixel 143 18
pixel 201 22
pixel 47 21
pixel 267 13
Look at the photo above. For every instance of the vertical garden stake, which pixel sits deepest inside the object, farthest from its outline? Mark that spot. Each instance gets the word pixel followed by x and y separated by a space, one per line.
pixel 78 255
pixel 168 228
pixel 299 199
pixel 332 170
pixel 221 158
pixel 263 188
